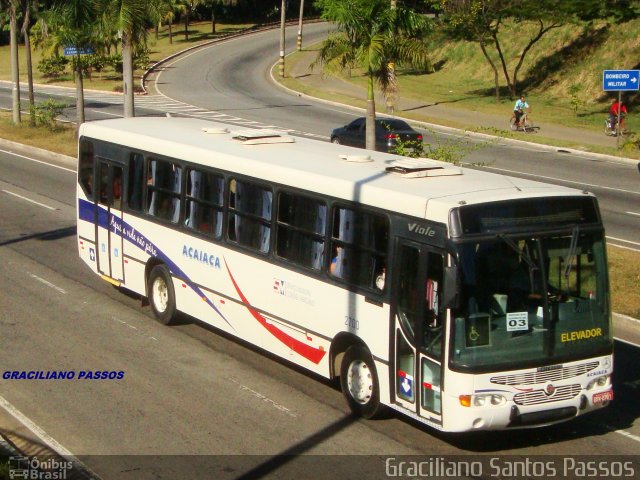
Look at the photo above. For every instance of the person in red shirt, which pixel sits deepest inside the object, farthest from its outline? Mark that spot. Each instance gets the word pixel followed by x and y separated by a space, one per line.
pixel 617 107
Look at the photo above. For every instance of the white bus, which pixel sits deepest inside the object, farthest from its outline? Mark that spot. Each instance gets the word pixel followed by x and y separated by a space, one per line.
pixel 464 299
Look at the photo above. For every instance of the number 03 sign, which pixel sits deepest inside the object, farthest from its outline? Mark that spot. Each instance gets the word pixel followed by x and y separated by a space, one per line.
pixel 517 321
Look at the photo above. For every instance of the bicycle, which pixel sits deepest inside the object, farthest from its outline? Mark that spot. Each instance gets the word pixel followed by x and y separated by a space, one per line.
pixel 612 130
pixel 524 126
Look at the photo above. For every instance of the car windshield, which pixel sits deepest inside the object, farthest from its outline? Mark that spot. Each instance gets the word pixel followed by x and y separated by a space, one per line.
pixel 531 301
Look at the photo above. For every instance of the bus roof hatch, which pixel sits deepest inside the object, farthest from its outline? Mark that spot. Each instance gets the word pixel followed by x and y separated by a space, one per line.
pixel 421 167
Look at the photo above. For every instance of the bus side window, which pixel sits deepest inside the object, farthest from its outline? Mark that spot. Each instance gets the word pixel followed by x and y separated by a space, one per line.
pixel 359 247
pixel 164 181
pixel 136 181
pixel 249 218
pixel 301 230
pixel 204 200
pixel 85 168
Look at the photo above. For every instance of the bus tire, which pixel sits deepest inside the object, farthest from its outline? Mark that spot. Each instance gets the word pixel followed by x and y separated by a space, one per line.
pixel 359 382
pixel 162 297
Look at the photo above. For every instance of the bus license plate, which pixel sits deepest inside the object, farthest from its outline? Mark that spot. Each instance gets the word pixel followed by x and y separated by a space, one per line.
pixel 602 397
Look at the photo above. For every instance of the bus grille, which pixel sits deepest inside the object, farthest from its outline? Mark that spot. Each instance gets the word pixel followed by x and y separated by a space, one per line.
pixel 536 378
pixel 535 397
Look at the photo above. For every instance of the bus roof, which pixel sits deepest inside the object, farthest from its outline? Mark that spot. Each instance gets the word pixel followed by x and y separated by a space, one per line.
pixel 336 170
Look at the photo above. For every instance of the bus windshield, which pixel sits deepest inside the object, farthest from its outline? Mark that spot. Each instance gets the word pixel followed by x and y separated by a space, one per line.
pixel 531 301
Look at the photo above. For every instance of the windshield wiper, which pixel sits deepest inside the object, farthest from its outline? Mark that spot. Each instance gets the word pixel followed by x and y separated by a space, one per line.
pixel 573 248
pixel 514 246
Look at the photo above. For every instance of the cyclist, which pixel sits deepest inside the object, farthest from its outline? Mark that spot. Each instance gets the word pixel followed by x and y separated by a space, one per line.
pixel 518 109
pixel 617 108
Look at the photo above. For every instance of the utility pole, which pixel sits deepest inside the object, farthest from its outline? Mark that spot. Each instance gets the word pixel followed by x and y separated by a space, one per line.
pixel 299 42
pixel 283 16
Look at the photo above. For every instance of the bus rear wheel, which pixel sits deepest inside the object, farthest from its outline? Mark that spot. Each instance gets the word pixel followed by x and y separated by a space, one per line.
pixel 162 297
pixel 359 382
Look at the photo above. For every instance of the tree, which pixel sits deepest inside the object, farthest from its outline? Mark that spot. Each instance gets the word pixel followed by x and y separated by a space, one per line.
pixel 189 8
pixel 129 18
pixel 372 35
pixel 481 21
pixel 27 6
pixel 72 24
pixel 165 11
pixel 15 66
pixel 214 5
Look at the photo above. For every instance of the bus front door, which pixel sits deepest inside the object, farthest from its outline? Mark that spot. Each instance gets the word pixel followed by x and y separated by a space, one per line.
pixel 109 220
pixel 418 329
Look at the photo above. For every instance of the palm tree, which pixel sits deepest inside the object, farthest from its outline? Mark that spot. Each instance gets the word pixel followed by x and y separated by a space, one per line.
pixel 15 66
pixel 27 6
pixel 375 37
pixel 71 23
pixel 190 7
pixel 173 7
pixel 129 18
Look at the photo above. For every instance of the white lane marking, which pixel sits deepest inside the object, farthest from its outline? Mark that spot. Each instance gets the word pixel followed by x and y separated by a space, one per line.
pixel 45 438
pixel 264 398
pixel 107 113
pixel 562 180
pixel 47 283
pixel 627 342
pixel 38 161
pixel 627 317
pixel 622 240
pixel 29 200
pixel 625 433
pixel 35 429
pixel 624 248
pixel 133 327
pixel 633 213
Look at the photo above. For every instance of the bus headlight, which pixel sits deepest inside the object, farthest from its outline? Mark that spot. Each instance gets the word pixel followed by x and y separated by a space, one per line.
pixel 489 399
pixel 599 382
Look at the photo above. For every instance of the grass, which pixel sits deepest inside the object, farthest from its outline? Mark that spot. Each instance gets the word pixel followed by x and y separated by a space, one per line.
pixel 625 278
pixel 61 140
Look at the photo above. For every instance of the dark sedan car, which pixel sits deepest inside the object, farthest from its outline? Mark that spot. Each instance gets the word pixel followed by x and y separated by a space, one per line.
pixel 388 132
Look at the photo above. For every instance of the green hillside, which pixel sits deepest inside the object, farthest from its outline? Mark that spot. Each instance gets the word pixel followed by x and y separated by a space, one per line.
pixel 562 74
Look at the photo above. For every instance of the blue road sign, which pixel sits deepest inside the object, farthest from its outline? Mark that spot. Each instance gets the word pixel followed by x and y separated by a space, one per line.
pixel 620 80
pixel 78 51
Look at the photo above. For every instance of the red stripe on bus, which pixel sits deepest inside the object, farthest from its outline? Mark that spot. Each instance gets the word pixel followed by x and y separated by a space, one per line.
pixel 310 353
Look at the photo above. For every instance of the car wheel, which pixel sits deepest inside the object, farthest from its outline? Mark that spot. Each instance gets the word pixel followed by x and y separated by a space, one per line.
pixel 336 140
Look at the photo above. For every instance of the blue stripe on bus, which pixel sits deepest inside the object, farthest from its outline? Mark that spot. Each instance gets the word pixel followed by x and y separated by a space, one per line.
pixel 86 212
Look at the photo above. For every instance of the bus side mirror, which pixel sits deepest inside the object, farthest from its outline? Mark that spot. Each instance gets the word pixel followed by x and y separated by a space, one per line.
pixel 450 296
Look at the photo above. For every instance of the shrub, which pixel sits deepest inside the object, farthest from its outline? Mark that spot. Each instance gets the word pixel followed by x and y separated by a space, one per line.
pixel 45 113
pixel 53 66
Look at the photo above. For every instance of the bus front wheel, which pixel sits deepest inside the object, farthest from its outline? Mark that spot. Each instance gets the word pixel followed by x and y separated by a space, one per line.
pixel 161 295
pixel 359 382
